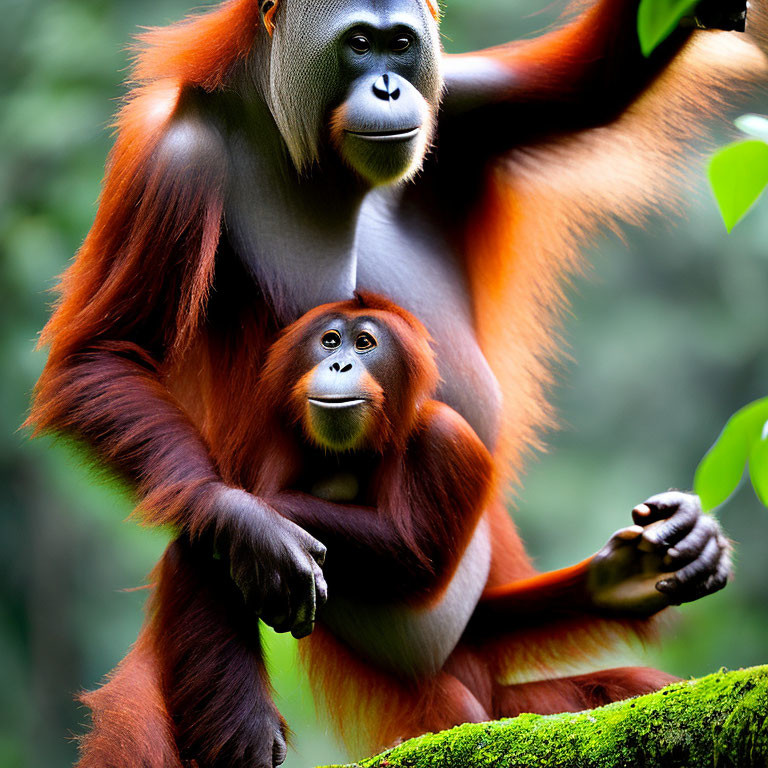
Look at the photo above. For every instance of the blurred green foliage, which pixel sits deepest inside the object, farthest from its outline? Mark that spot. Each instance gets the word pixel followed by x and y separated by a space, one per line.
pixel 667 340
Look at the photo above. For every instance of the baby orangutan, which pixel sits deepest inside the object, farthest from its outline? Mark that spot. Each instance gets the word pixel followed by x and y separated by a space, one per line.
pixel 431 602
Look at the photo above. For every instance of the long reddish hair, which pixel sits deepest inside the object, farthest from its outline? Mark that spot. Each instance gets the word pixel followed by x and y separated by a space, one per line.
pixel 260 454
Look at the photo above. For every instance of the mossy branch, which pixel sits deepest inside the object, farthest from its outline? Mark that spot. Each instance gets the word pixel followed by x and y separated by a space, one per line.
pixel 720 720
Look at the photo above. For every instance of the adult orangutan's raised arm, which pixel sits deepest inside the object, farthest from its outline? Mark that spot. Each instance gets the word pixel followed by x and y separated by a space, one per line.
pixel 582 74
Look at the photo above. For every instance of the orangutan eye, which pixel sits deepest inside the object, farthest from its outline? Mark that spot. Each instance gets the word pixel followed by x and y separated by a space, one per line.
pixel 331 340
pixel 365 342
pixel 360 44
pixel 401 43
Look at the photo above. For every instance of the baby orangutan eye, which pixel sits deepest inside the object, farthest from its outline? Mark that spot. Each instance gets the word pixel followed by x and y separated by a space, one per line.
pixel 365 342
pixel 331 340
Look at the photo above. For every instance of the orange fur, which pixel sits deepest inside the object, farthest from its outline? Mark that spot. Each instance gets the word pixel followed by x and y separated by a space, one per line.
pixel 498 673
pixel 371 708
pixel 545 203
pixel 422 373
pixel 269 18
pixel 336 125
pixel 406 491
pixel 156 371
pixel 202 49
pixel 130 711
pixel 434 9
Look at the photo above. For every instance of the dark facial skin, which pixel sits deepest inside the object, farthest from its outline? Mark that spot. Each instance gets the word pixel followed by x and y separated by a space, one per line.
pixel 385 122
pixel 352 363
pixel 380 83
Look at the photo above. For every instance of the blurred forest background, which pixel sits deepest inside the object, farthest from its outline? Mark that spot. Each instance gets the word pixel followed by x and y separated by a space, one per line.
pixel 668 338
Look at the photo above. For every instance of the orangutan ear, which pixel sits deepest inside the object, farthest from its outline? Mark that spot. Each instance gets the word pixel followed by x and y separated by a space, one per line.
pixel 268 8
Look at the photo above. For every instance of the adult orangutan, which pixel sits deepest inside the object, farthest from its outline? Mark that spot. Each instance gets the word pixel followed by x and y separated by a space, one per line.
pixel 342 150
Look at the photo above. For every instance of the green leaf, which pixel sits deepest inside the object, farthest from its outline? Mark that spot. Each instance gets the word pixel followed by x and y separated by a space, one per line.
pixel 753 125
pixel 758 469
pixel 657 19
pixel 738 174
pixel 720 471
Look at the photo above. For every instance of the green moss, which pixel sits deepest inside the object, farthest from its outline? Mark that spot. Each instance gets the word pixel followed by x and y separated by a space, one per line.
pixel 720 720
